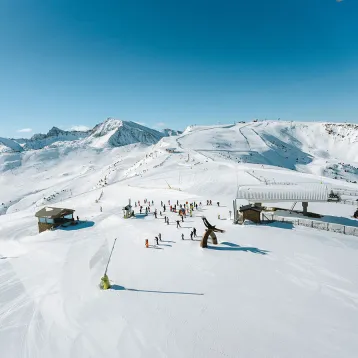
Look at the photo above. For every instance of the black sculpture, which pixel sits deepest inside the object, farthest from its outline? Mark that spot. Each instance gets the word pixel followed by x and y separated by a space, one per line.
pixel 210 231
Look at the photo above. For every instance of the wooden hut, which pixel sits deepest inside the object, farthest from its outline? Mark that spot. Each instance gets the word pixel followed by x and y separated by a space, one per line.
pixel 50 217
pixel 250 212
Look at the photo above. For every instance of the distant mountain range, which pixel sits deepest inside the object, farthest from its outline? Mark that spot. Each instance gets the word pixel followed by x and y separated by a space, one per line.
pixel 324 149
pixel 110 133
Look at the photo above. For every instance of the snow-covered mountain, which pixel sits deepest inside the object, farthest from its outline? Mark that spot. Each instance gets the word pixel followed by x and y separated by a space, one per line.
pixel 110 133
pixel 9 146
pixel 117 133
pixel 171 132
pixel 54 135
pixel 326 149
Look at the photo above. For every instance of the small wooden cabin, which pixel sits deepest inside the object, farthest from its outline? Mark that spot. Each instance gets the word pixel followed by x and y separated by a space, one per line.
pixel 50 217
pixel 171 150
pixel 250 212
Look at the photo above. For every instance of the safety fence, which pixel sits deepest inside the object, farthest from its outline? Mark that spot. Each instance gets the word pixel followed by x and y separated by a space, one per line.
pixel 315 224
pixel 346 192
pixel 348 202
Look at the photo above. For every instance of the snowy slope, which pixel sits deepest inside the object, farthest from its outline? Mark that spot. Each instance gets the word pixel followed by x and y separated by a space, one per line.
pixel 320 148
pixel 9 146
pixel 264 291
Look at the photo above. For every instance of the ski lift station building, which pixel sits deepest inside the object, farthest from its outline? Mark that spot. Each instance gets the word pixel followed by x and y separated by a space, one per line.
pixel 304 193
pixel 50 217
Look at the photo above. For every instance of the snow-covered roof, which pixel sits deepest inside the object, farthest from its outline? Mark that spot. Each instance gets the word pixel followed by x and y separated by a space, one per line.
pixel 50 212
pixel 277 193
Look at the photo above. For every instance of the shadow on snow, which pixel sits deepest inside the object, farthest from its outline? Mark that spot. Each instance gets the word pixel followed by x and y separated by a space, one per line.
pixel 281 225
pixel 121 288
pixel 79 226
pixel 233 247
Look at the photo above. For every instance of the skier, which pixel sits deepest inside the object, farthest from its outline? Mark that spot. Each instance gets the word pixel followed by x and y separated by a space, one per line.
pixel 191 235
pixel 146 211
pixel 156 239
pixel 100 208
pixel 160 213
pixel 194 231
pixel 155 214
pixel 140 209
pixel 160 237
pixel 218 203
pixel 161 203
pixel 164 207
pixel 152 202
pixel 165 219
pixel 178 223
pixel 182 236
pixel 177 202
pixel 182 218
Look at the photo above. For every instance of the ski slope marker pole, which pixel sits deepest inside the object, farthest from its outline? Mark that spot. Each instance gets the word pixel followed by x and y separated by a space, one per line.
pixel 109 259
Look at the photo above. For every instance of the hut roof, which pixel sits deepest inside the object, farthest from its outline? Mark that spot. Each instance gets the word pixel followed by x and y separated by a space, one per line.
pixel 52 213
pixel 250 207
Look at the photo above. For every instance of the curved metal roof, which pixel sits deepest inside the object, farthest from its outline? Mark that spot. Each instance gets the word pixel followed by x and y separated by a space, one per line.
pixel 277 193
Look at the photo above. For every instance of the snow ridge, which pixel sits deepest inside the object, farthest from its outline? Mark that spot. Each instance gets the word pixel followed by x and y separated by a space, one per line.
pixel 54 135
pixel 9 146
pixel 110 133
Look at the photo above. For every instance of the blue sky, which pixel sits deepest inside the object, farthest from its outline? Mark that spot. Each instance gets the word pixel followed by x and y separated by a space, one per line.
pixel 173 63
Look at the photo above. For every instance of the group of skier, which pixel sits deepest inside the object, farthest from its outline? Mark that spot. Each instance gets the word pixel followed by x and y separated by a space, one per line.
pixel 175 207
